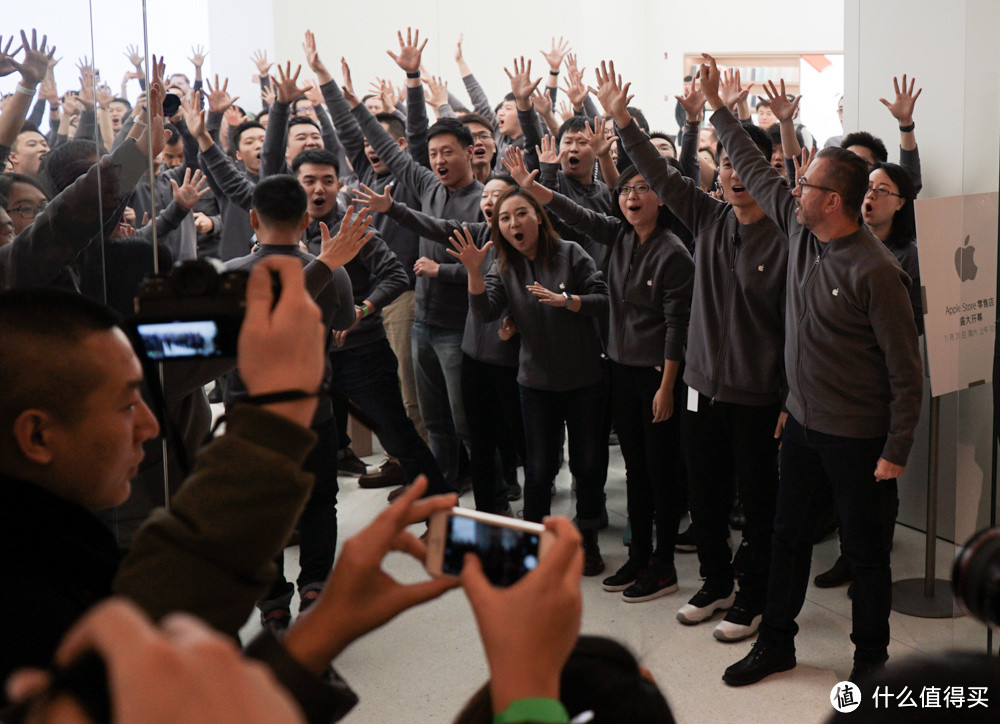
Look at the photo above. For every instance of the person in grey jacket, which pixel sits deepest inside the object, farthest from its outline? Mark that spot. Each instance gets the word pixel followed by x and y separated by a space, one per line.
pixel 650 276
pixel 553 292
pixel 733 366
pixel 853 371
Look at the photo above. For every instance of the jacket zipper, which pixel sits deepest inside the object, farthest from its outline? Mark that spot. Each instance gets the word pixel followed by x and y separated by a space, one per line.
pixel 806 284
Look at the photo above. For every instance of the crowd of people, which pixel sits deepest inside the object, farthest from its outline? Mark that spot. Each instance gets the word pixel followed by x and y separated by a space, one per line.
pixel 738 307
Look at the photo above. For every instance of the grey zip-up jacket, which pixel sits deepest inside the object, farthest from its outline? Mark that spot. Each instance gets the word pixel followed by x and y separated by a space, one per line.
pixel 737 333
pixel 479 340
pixel 233 188
pixel 441 301
pixel 560 349
pixel 649 283
pixel 851 356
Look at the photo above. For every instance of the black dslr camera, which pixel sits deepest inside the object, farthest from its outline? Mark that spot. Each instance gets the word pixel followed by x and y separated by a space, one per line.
pixel 193 310
pixel 975 576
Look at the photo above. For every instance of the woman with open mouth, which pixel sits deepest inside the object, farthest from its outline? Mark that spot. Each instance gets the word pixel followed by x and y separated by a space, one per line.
pixel 554 293
pixel 650 277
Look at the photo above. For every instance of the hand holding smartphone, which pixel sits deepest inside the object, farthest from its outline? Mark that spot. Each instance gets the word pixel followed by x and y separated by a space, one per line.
pixel 507 548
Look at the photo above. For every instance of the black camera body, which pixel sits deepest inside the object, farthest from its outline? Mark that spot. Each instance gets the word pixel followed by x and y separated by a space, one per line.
pixel 193 310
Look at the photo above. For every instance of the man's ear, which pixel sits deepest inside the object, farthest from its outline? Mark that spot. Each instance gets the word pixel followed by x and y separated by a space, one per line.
pixel 32 432
pixel 470 151
pixel 304 224
pixel 254 219
pixel 402 142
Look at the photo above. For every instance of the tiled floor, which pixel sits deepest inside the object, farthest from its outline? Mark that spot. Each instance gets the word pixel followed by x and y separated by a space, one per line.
pixel 425 664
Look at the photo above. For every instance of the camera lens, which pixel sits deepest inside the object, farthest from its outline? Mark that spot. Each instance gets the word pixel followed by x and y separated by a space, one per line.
pixel 975 577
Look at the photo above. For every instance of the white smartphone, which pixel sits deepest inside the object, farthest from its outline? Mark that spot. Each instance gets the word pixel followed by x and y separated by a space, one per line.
pixel 507 548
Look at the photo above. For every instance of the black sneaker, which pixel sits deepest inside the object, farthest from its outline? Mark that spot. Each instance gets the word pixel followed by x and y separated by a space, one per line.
pixel 761 662
pixel 685 542
pixel 390 474
pixel 838 575
pixel 651 583
pixel 351 465
pixel 863 670
pixel 514 491
pixel 593 564
pixel 703 606
pixel 276 620
pixel 739 623
pixel 623 577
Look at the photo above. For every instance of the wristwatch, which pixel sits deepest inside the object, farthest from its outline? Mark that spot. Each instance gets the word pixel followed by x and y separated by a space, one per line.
pixel 569 298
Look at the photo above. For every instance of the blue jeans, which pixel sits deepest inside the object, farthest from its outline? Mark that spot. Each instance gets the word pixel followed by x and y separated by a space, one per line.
pixel 437 363
pixel 583 411
pixel 368 376
pixel 849 463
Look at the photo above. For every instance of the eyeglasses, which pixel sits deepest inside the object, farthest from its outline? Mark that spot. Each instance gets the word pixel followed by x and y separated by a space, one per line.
pixel 801 181
pixel 26 211
pixel 881 193
pixel 639 189
pixel 482 136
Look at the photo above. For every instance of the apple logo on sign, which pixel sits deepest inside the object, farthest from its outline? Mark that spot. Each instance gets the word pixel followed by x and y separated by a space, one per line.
pixel 964 264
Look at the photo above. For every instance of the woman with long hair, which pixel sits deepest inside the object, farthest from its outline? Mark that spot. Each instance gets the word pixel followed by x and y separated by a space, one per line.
pixel 554 294
pixel 650 277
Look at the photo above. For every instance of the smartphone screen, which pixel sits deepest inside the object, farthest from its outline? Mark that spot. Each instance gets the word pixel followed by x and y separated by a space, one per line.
pixel 181 339
pixel 506 554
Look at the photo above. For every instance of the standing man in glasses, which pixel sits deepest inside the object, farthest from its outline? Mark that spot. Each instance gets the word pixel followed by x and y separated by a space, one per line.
pixel 854 383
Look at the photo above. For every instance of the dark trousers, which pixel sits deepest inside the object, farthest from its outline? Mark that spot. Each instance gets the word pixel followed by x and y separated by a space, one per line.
pixel 583 411
pixel 726 443
pixel 496 433
pixel 367 376
pixel 318 523
pixel 849 463
pixel 654 478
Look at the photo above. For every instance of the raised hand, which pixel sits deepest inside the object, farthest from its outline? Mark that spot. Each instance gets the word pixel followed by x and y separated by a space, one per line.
pixel 693 101
pixel 459 58
pixel 520 82
pixel 153 137
pixel 35 65
pixel 466 251
pixel 391 97
pixel 194 116
pixel 556 53
pixel 47 90
pixel 268 95
pixel 234 116
pixel 379 203
pixel 513 161
pixel 198 54
pixel 71 105
pixel 437 91
pixel 286 85
pixel 313 93
pixel 259 58
pixel 542 103
pixel 409 52
pixel 7 64
pixel 710 80
pixel 574 89
pixel 802 166
pixel 348 87
pixel 313 60
pixel 218 96
pixel 87 90
pixel 134 57
pixel 353 234
pixel 731 90
pixel 612 93
pixel 782 108
pixel 191 189
pixel 565 111
pixel 600 143
pixel 104 96
pixel 571 65
pixel 902 107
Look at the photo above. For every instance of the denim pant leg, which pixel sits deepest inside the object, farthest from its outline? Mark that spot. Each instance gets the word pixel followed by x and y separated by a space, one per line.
pixel 861 502
pixel 586 415
pixel 756 455
pixel 432 396
pixel 368 376
pixel 544 416
pixel 791 542
pixel 318 523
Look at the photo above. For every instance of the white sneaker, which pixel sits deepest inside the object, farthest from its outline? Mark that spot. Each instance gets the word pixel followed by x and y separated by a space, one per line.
pixel 703 606
pixel 738 624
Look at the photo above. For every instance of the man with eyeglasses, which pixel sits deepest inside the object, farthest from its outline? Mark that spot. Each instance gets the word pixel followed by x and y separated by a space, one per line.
pixel 854 382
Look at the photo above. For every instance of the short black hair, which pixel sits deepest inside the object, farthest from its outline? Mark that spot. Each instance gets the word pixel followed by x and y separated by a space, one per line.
pixel 501 176
pixel 295 104
pixel 280 200
pixel 666 137
pixel 467 118
pixel 847 172
pixel 397 129
pixel 9 179
pixel 866 140
pixel 122 100
pixel 639 117
pixel 28 127
pixel 774 134
pixel 39 331
pixel 243 128
pixel 573 124
pixel 760 138
pixel 319 156
pixel 66 163
pixel 302 120
pixel 175 135
pixel 509 97
pixel 453 126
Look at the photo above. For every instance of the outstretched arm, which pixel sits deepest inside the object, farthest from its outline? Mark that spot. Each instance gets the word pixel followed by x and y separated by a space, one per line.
pixel 32 69
pixel 902 110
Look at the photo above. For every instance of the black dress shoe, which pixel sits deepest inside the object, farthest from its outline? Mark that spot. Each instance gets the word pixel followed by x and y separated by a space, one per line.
pixel 863 670
pixel 838 575
pixel 761 662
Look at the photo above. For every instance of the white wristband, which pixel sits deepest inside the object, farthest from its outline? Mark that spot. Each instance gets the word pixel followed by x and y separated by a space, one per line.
pixel 24 90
